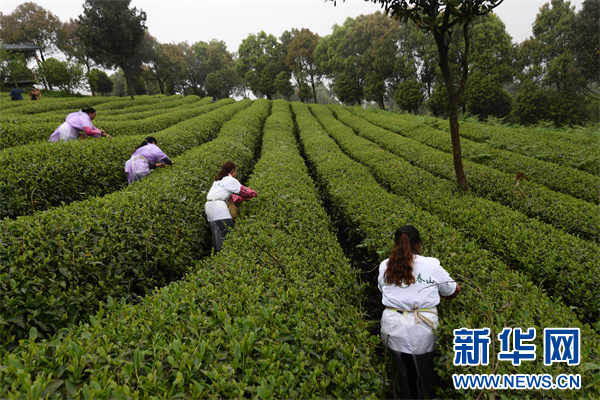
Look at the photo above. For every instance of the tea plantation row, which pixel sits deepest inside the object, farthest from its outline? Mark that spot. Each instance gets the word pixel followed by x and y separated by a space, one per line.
pixel 570 214
pixel 561 178
pixel 22 134
pixel 274 315
pixel 114 108
pixel 42 175
pixel 494 296
pixel 526 244
pixel 56 265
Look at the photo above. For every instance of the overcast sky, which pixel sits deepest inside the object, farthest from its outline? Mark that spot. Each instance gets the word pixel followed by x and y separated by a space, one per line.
pixel 174 21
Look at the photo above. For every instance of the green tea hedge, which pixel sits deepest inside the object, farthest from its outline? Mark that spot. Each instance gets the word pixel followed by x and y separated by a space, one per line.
pixel 429 131
pixel 39 176
pixel 570 214
pixel 56 265
pixel 27 133
pixel 273 315
pixel 542 252
pixel 493 295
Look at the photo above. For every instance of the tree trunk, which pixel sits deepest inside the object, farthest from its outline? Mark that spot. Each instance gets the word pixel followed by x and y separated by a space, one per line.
pixel 452 111
pixel 130 86
pixel 314 89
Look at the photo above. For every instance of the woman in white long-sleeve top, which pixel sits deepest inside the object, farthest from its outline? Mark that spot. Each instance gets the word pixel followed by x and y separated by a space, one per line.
pixel 411 287
pixel 225 192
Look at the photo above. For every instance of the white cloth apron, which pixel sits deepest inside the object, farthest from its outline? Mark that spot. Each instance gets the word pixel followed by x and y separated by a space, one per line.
pixel 406 334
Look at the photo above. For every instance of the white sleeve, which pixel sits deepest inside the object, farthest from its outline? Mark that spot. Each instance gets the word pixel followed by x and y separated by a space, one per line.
pixel 231 184
pixel 446 285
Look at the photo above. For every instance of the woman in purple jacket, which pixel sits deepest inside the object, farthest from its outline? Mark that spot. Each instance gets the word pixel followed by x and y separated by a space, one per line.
pixel 146 156
pixel 78 125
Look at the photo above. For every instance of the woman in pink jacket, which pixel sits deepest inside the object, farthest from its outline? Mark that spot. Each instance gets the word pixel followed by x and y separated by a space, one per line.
pixel 78 125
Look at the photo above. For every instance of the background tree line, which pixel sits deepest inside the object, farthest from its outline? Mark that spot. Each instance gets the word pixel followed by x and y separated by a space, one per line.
pixel 551 76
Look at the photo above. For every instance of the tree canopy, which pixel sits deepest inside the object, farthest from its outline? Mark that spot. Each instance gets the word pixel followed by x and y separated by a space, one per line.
pixel 113 33
pixel 30 23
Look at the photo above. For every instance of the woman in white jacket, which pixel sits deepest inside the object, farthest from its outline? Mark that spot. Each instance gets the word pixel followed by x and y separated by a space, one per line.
pixel 411 287
pixel 225 189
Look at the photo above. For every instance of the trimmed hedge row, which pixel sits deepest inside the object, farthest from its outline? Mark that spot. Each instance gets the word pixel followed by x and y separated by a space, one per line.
pixel 146 111
pixel 110 109
pixel 526 244
pixel 563 179
pixel 569 214
pixel 56 265
pixel 582 157
pixel 43 175
pixel 493 295
pixel 30 133
pixel 277 322
pixel 35 107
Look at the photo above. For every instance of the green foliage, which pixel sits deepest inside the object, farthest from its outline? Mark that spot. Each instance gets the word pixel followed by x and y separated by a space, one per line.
pixel 410 95
pixel 493 295
pixel 104 85
pixel 62 262
pixel 437 102
pixel 480 148
pixel 347 89
pixel 112 33
pixel 284 87
pixel 300 59
pixel 258 63
pixel 526 243
pixel 29 23
pixel 553 87
pixel 263 318
pixel 166 64
pixel 65 75
pixel 12 66
pixel 360 57
pixel 31 183
pixel 584 39
pixel 486 97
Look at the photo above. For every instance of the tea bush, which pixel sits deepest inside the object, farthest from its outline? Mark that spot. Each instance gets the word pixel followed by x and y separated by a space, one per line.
pixel 527 244
pixel 493 295
pixel 43 175
pixel 56 265
pixel 429 131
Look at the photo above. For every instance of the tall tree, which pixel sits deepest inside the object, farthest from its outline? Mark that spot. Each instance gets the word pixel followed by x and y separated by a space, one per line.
pixel 301 60
pixel 166 64
pixel 67 76
pixel 443 18
pixel 548 58
pixel 359 57
pixel 113 33
pixel 195 70
pixel 585 41
pixel 68 42
pixel 258 63
pixel 220 63
pixel 30 23
pixel 13 66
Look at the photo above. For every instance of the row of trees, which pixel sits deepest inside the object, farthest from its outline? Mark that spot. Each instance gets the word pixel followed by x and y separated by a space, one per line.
pixel 371 58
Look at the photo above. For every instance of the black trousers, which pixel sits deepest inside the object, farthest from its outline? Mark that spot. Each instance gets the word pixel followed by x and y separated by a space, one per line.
pixel 219 229
pixel 418 378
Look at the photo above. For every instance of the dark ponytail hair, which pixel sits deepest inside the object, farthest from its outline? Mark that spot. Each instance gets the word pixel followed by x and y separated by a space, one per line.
pixel 400 265
pixel 88 110
pixel 225 170
pixel 148 140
